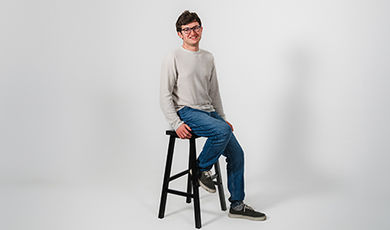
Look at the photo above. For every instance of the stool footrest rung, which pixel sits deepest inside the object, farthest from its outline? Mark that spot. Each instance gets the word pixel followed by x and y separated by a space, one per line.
pixel 217 183
pixel 179 175
pixel 180 193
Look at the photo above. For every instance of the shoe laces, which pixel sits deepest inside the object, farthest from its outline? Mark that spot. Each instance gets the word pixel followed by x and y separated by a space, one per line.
pixel 207 173
pixel 247 207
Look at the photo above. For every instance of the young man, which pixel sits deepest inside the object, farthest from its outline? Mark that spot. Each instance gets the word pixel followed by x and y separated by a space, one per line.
pixel 190 100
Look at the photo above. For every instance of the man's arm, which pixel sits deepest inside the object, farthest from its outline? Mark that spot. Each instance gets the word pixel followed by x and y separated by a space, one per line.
pixel 214 93
pixel 216 96
pixel 167 83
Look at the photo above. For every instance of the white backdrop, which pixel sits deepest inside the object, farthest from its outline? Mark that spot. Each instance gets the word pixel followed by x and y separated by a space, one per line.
pixel 304 83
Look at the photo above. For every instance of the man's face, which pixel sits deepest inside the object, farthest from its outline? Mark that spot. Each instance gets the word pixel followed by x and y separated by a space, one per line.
pixel 191 33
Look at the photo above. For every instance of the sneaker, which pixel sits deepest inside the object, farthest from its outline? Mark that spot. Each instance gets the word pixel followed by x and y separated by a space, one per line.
pixel 206 182
pixel 246 212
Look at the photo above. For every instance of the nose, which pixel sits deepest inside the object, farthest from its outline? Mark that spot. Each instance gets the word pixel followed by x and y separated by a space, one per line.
pixel 193 31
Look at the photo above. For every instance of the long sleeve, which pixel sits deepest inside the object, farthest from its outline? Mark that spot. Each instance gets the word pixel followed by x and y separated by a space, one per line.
pixel 167 83
pixel 214 93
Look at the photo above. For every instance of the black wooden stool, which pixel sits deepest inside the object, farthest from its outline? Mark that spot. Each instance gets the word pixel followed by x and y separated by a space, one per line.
pixel 192 181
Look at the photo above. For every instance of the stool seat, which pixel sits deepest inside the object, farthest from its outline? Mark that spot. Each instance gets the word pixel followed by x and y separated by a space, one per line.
pixel 192 179
pixel 173 133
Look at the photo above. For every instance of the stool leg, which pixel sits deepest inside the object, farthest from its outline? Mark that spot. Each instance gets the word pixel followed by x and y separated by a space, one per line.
pixel 189 184
pixel 220 186
pixel 195 185
pixel 167 174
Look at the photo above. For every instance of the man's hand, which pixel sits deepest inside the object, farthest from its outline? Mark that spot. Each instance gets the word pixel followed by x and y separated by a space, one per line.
pixel 184 131
pixel 231 126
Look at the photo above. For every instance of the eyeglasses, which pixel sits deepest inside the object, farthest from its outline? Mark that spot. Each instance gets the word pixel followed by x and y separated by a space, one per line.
pixel 188 30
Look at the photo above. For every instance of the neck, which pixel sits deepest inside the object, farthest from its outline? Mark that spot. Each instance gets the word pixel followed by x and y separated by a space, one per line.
pixel 190 47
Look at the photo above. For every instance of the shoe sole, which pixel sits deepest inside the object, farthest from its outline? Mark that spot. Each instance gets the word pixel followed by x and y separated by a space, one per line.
pixel 206 188
pixel 247 217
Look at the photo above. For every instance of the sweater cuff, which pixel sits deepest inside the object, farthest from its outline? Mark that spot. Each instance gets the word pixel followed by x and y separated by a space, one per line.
pixel 177 124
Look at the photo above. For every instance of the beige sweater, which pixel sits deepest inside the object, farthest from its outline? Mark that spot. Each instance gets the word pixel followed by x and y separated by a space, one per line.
pixel 188 78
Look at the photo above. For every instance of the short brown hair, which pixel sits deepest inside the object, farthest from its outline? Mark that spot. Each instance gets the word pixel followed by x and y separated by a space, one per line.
pixel 185 18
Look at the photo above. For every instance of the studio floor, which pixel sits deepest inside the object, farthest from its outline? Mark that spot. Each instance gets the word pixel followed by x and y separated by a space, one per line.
pixel 108 206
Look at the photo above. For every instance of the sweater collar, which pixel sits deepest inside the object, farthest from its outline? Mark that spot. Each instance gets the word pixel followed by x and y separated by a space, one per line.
pixel 190 51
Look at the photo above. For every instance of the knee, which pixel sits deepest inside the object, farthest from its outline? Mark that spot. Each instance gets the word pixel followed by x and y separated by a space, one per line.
pixel 225 130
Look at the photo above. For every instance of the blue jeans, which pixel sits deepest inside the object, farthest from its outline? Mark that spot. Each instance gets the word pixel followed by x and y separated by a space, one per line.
pixel 220 141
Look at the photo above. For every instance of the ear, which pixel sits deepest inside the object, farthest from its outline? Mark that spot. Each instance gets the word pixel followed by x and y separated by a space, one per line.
pixel 180 35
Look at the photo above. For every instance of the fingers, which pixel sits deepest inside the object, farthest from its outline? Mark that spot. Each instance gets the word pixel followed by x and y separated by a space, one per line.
pixel 184 132
pixel 231 126
pixel 187 127
pixel 188 131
